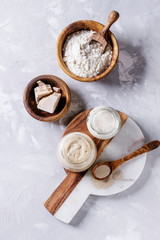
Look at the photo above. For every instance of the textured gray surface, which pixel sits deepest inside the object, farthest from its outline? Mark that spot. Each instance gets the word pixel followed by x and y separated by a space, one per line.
pixel 29 170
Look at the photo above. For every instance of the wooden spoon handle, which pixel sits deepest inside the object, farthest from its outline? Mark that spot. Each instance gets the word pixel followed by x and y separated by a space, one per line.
pixel 146 148
pixel 61 193
pixel 113 16
pixel 115 164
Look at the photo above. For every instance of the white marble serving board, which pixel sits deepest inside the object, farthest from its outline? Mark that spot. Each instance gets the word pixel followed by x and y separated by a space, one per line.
pixel 126 141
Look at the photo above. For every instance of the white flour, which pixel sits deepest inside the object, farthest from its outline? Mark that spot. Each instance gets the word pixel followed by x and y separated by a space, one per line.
pixel 84 59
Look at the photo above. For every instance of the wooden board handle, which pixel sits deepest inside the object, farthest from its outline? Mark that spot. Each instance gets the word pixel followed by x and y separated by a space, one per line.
pixel 78 124
pixel 57 198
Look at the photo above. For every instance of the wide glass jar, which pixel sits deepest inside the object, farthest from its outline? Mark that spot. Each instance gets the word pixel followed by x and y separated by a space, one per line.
pixel 76 151
pixel 103 122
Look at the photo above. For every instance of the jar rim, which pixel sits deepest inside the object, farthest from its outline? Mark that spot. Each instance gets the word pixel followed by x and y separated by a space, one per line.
pixel 110 133
pixel 77 167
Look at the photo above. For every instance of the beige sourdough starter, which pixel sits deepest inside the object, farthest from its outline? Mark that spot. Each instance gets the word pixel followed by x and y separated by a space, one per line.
pixel 83 58
pixel 77 151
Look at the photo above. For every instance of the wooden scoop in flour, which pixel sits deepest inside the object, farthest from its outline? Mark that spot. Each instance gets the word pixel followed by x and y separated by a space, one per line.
pixel 100 36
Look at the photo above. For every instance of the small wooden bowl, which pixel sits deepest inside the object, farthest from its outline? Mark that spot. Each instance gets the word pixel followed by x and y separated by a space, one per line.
pixel 30 103
pixel 82 25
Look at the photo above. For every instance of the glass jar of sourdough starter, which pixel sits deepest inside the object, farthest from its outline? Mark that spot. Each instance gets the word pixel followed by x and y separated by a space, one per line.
pixel 103 122
pixel 76 151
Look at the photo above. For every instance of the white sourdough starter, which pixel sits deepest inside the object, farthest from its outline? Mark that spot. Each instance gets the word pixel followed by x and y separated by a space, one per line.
pixel 84 59
pixel 103 121
pixel 77 151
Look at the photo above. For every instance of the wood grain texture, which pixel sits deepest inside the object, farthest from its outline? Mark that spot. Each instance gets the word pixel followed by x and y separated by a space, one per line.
pixel 102 36
pixel 85 25
pixel 78 124
pixel 115 164
pixel 30 103
pixel 146 148
pixel 113 17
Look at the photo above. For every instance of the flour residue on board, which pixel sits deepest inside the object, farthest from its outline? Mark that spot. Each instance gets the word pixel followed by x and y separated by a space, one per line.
pixel 108 182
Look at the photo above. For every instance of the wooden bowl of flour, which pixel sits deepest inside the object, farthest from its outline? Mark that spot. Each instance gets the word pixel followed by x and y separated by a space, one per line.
pixel 85 25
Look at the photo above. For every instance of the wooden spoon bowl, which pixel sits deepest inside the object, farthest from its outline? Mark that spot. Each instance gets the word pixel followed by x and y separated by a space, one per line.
pixel 30 103
pixel 85 25
pixel 111 166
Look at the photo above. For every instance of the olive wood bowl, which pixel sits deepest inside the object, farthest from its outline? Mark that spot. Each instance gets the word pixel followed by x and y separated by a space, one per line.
pixel 30 103
pixel 88 25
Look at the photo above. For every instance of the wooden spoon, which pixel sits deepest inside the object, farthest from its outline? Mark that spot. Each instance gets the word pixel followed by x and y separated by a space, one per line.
pixel 99 36
pixel 104 169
